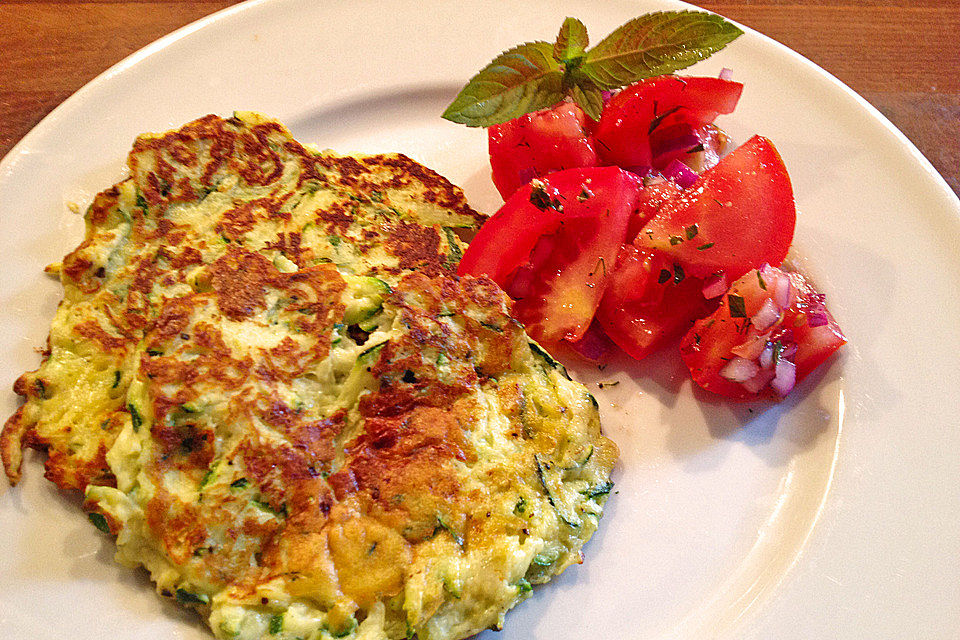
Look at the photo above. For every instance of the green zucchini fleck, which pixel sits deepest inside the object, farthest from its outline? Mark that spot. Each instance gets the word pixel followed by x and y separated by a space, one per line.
pixel 550 360
pixel 135 418
pixel 208 476
pixel 345 630
pixel 546 558
pixel 598 490
pixel 99 521
pixel 276 624
pixel 188 597
pixel 369 356
pixel 521 506
pixel 442 525
pixel 367 300
pixel 564 511
pixel 266 506
pixel 453 258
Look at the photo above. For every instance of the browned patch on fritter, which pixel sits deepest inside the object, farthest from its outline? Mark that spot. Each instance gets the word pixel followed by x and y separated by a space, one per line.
pixel 316 440
pixel 240 279
pixel 416 247
pixel 186 445
pixel 12 439
pixel 68 473
pixel 260 163
pixel 289 245
pixel 337 217
pixel 238 221
pixel 401 466
pixel 75 266
pixel 93 331
pixel 209 361
pixel 103 206
pixel 179 525
pixel 187 257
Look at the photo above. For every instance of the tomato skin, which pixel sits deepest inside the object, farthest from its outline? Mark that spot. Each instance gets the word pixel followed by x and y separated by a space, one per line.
pixel 708 347
pixel 553 260
pixel 638 312
pixel 540 143
pixel 623 131
pixel 742 210
pixel 652 198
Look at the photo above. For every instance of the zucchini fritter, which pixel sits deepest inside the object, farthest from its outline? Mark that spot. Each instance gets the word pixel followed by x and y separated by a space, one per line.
pixel 274 390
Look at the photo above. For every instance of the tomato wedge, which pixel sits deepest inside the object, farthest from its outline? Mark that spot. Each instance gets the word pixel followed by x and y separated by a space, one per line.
pixel 737 216
pixel 539 143
pixel 647 303
pixel 770 331
pixel 650 107
pixel 551 246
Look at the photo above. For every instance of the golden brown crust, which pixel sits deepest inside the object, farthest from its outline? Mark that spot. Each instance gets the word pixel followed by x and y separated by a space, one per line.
pixel 11 445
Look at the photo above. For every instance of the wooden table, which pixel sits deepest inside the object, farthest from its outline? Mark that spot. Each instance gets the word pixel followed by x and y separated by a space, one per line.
pixel 903 57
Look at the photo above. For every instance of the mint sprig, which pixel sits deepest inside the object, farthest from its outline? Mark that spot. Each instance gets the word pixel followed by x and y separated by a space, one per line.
pixel 537 75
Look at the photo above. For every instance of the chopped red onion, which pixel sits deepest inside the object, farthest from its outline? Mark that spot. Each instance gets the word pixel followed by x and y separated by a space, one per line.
pixel 817 314
pixel 817 318
pixel 783 291
pixel 593 345
pixel 669 143
pixel 789 348
pixel 715 286
pixel 767 316
pixel 766 357
pixel 652 179
pixel 639 169
pixel 759 381
pixel 785 378
pixel 751 348
pixel 739 370
pixel 680 173
pixel 726 74
pixel 526 175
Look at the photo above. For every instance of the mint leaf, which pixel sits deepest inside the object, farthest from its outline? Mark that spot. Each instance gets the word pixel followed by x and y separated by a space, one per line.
pixel 523 79
pixel 571 42
pixel 589 98
pixel 655 44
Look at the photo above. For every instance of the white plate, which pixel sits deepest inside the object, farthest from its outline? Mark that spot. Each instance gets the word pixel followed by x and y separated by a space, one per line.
pixel 834 515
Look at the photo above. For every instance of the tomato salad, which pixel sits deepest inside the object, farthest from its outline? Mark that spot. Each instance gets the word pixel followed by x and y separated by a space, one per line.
pixel 639 226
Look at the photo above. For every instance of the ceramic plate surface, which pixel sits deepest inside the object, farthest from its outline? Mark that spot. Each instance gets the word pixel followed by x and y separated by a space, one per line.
pixel 833 515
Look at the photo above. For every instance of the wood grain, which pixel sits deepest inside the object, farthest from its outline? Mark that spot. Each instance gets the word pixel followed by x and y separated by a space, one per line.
pixel 903 57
